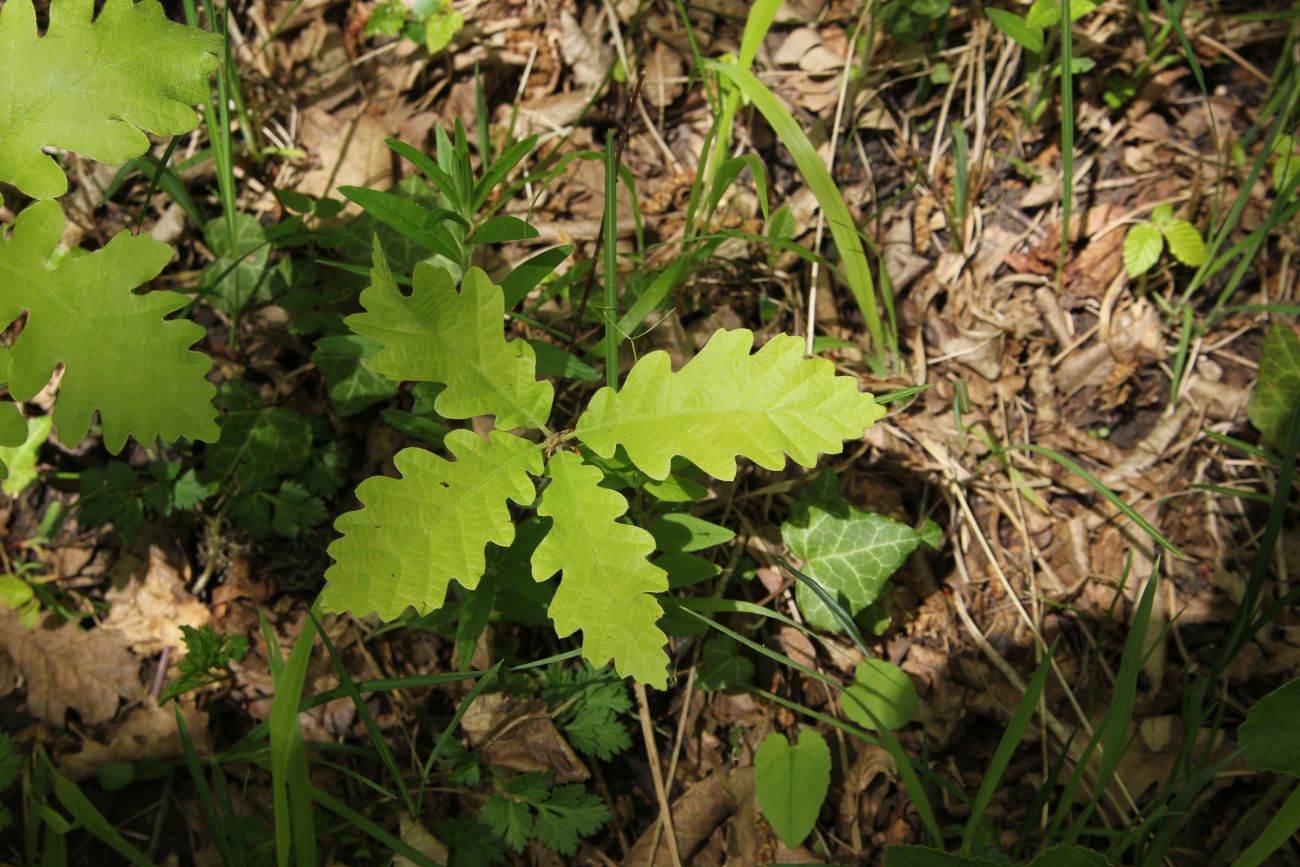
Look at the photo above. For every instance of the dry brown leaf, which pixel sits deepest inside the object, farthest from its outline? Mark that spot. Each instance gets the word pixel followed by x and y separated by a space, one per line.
pixel 344 153
pixel 585 46
pixel 146 732
pixel 663 65
pixel 516 734
pixel 66 666
pixel 150 603
pixel 696 815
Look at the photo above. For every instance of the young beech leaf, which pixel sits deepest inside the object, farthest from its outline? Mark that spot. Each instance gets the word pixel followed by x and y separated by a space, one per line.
pixel 92 87
pixel 791 783
pixel 121 357
pixel 726 403
pixel 413 535
pixel 1142 246
pixel 1185 242
pixel 607 578
pixel 437 334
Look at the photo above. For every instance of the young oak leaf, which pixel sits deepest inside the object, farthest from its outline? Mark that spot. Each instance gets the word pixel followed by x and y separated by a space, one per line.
pixel 726 403
pixel 437 334
pixel 606 579
pixel 91 87
pixel 121 357
pixel 414 534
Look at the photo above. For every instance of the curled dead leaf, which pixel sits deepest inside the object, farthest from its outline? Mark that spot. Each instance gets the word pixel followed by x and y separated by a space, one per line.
pixel 146 732
pixel 150 603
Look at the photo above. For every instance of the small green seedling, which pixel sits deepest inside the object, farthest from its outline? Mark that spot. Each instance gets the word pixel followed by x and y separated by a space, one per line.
pixel 1030 32
pixel 432 23
pixel 1146 240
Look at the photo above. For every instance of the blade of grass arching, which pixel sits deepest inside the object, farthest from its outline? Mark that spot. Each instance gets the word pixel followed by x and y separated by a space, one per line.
pixel 1011 738
pixel 758 22
pixel 73 800
pixel 1249 448
pixel 1030 825
pixel 884 737
pixel 447 733
pixel 369 828
pixel 824 189
pixel 1117 723
pixel 697 65
pixel 367 719
pixel 960 159
pixel 222 144
pixel 1111 496
pixel 481 121
pixel 610 270
pixel 1282 828
pixel 217 824
pixel 1185 333
pixel 1278 214
pixel 295 832
pixel 714 605
pixel 837 611
pixel 902 393
pixel 1067 135
pixel 1243 627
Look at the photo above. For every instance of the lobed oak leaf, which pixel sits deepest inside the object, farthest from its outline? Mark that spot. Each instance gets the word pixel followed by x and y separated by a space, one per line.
pixel 92 83
pixel 726 403
pixel 122 358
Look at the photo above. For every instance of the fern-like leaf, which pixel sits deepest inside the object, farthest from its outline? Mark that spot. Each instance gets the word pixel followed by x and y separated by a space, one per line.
pixel 606 576
pixel 415 534
pixel 437 334
pixel 92 87
pixel 726 403
pixel 120 356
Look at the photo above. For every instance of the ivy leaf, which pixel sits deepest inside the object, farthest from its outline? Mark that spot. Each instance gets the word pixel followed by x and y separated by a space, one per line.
pixel 791 783
pixel 73 96
pixel 1269 734
pixel 437 334
pixel 607 578
pixel 1277 392
pixel 726 403
pixel 84 316
pixel 1185 242
pixel 1142 246
pixel 722 666
pixel 239 275
pixel 414 534
pixel 260 446
pixel 850 553
pixel 351 384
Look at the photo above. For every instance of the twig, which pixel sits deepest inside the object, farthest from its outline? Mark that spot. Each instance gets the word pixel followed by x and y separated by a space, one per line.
pixel 656 773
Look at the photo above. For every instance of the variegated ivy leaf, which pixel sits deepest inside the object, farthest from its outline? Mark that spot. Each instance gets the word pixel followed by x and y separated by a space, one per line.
pixel 726 403
pixel 606 582
pixel 437 334
pixel 92 86
pixel 415 534
pixel 121 356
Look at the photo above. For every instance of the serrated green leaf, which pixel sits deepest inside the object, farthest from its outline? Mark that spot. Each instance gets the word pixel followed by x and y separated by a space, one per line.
pixel 85 316
pixel 351 384
pixel 259 446
pixel 791 783
pixel 510 819
pixel 1277 392
pixel 726 403
pixel 722 666
pixel 1029 37
pixel 92 87
pixel 1142 246
pixel 414 534
pixel 295 510
pixel 571 812
pixel 885 690
pixel 1185 242
pixel 850 553
pixel 456 338
pixel 20 460
pixel 441 28
pixel 606 581
pixel 1270 736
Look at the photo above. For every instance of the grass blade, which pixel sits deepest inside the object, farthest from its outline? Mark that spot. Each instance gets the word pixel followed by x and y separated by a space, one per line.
pixel 295 831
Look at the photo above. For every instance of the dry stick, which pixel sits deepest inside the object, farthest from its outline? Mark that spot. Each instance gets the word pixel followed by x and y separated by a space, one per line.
pixel 677 749
pixel 830 162
pixel 656 773
pixel 600 233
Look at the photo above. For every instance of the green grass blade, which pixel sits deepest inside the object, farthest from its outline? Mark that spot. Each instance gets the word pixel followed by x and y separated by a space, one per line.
pixel 832 604
pixel 488 678
pixel 217 825
pixel 369 828
pixel 1285 823
pixel 295 832
pixel 610 313
pixel 1011 738
pixel 367 719
pixel 1067 134
pixel 1096 484
pixel 69 794
pixel 824 189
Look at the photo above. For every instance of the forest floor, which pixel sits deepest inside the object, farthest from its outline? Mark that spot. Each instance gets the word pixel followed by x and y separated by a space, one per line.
pixel 1022 339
